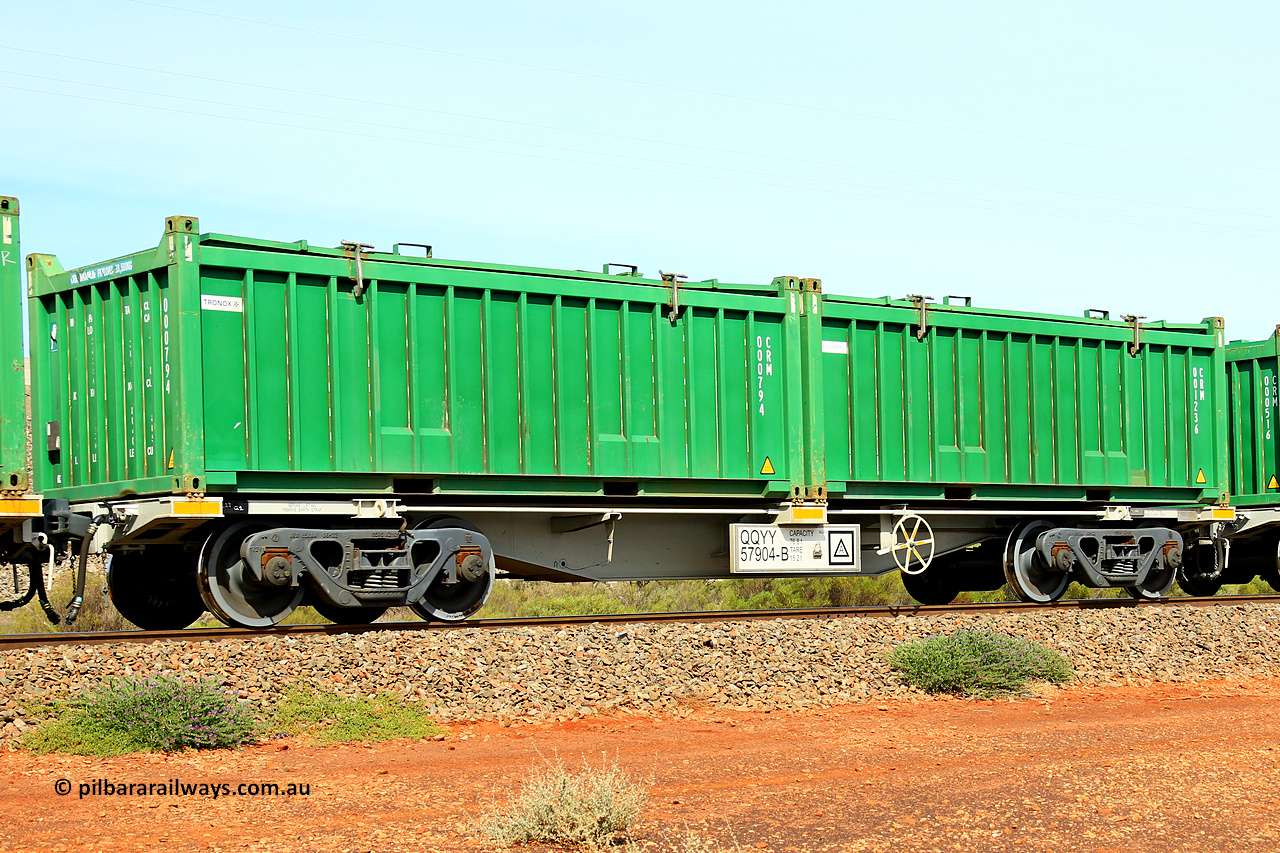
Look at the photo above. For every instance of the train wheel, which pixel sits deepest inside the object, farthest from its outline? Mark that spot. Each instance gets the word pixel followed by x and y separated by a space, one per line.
pixel 229 590
pixel 156 588
pixel 1025 569
pixel 452 602
pixel 346 615
pixel 1156 585
pixel 932 587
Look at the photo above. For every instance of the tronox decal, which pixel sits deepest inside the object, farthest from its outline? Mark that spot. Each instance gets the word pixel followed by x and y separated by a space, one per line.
pixel 210 302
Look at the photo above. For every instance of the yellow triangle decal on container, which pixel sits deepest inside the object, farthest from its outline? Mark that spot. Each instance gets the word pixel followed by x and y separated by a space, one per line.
pixel 1272 483
pixel 1200 477
pixel 767 467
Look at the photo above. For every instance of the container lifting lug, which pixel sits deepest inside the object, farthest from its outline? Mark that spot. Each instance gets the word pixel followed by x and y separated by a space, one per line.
pixel 673 280
pixel 1132 320
pixel 395 248
pixel 355 249
pixel 922 305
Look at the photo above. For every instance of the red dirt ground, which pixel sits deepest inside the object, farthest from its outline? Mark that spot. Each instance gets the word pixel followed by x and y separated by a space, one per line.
pixel 1160 768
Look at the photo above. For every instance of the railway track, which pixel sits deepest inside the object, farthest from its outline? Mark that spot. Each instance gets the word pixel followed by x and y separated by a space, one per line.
pixel 21 641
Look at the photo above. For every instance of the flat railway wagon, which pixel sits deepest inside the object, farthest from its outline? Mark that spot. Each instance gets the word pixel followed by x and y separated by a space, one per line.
pixel 248 425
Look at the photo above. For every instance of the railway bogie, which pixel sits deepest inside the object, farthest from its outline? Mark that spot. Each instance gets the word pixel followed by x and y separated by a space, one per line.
pixel 254 571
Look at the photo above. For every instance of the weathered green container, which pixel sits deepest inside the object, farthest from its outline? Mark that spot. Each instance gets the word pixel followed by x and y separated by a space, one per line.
pixel 222 364
pixel 961 402
pixel 1254 393
pixel 231 365
pixel 13 422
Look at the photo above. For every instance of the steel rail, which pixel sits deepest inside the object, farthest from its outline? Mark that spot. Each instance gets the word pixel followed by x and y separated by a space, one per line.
pixel 27 641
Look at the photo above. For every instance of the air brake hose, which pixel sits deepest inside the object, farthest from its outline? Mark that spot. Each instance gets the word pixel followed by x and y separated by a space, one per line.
pixel 42 595
pixel 73 610
pixel 24 599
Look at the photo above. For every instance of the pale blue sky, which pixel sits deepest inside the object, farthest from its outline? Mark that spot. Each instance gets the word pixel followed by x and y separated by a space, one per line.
pixel 1046 156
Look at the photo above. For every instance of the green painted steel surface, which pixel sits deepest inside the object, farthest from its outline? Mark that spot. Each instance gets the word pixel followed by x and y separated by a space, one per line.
pixel 224 364
pixel 238 365
pixel 13 414
pixel 991 403
pixel 1253 375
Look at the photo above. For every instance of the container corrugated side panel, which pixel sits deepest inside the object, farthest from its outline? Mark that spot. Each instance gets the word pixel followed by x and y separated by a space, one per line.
pixel 13 430
pixel 105 367
pixel 490 379
pixel 1007 404
pixel 1253 381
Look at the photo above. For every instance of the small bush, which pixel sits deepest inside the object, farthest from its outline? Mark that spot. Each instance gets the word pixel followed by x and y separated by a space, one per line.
pixel 978 663
pixel 159 714
pixel 329 718
pixel 588 809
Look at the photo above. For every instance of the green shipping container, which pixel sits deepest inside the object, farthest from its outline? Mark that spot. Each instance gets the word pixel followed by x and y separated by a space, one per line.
pixel 1252 377
pixel 222 364
pixel 231 365
pixel 13 421
pixel 949 401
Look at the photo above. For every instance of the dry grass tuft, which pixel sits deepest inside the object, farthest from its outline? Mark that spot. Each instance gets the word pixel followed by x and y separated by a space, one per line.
pixel 589 809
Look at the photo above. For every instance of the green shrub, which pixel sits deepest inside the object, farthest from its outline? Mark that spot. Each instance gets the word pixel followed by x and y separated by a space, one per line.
pixel 976 662
pixel 160 714
pixel 588 809
pixel 330 718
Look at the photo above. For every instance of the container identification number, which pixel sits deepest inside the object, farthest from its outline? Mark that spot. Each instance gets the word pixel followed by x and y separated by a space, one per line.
pixel 1268 402
pixel 764 366
pixel 1197 394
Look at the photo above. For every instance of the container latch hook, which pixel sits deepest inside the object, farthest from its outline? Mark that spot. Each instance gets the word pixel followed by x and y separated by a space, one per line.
pixel 355 249
pixel 1132 320
pixel 673 279
pixel 922 305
